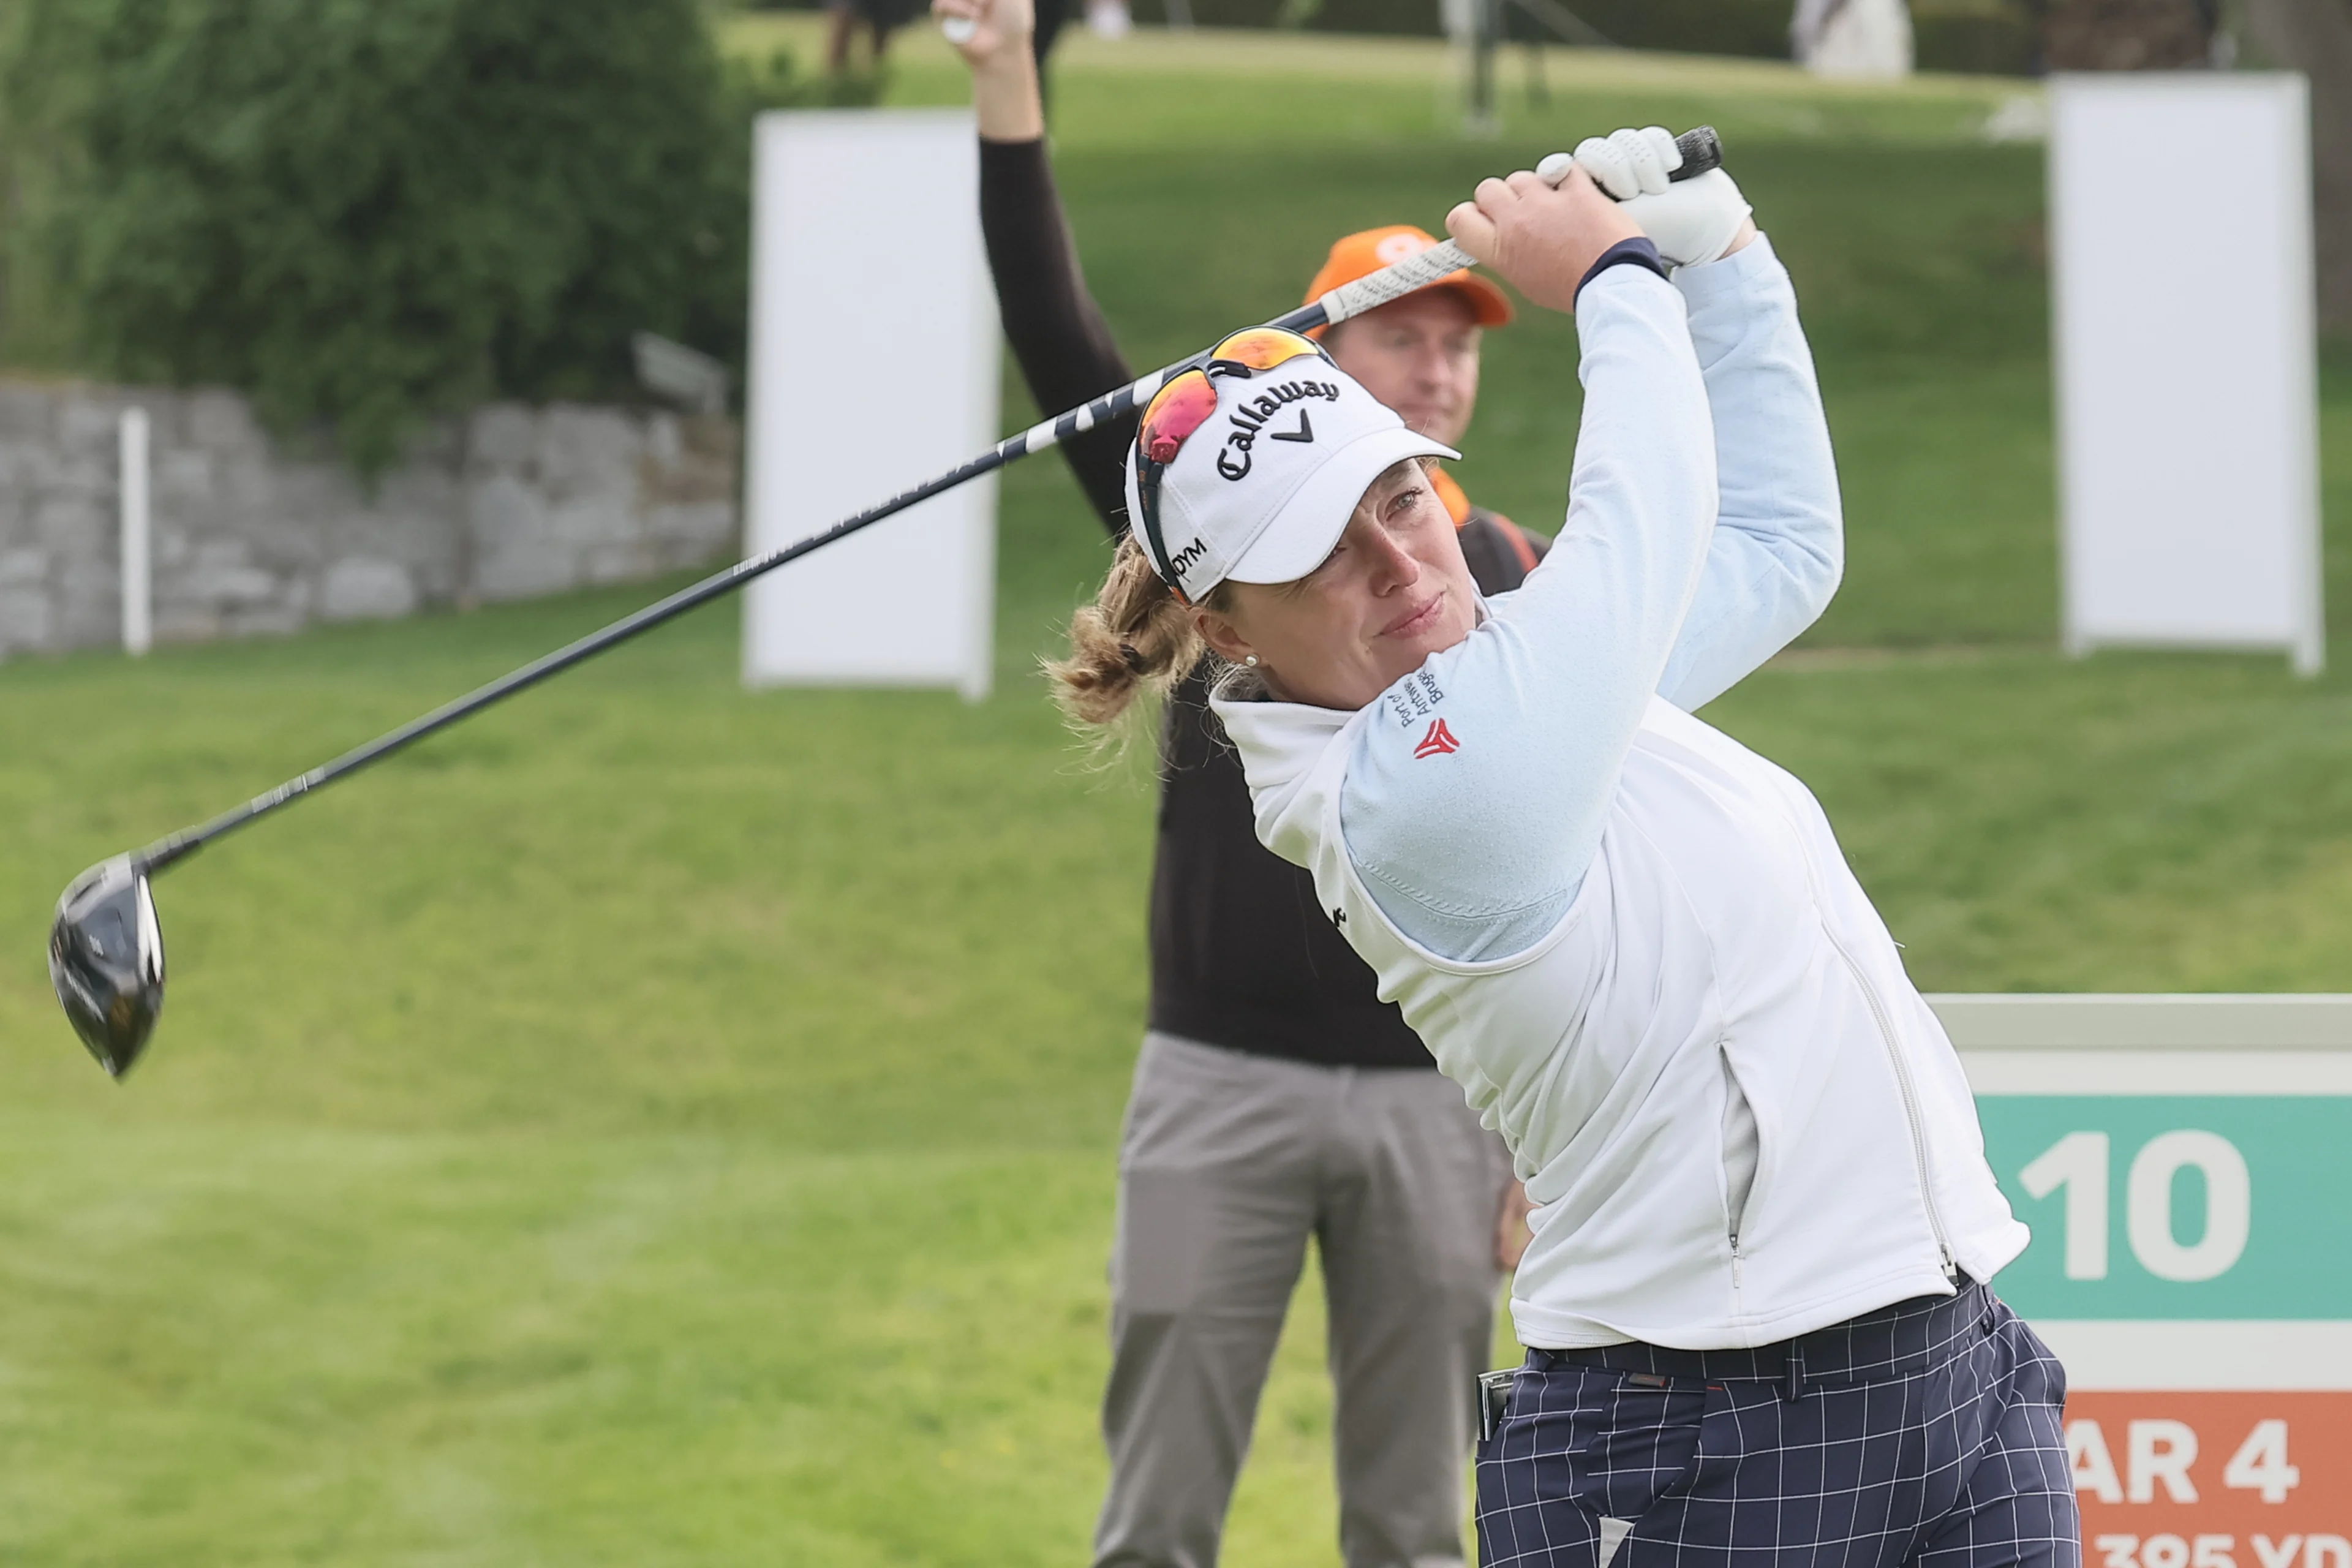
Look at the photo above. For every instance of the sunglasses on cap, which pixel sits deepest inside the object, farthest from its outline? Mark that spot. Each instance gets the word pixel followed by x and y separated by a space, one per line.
pixel 1189 402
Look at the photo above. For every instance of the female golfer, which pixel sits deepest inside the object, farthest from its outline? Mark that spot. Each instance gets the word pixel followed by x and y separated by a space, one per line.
pixel 1755 1300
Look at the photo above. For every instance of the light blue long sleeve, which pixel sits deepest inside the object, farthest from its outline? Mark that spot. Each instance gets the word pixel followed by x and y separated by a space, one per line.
pixel 1779 549
pixel 1701 536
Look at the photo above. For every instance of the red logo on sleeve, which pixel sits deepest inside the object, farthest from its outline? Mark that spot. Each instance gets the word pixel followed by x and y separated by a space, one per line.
pixel 1438 742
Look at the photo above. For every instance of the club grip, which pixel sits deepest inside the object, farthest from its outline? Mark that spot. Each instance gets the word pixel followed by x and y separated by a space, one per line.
pixel 1702 149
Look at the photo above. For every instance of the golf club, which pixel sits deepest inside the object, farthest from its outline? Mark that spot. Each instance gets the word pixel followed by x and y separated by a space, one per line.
pixel 106 947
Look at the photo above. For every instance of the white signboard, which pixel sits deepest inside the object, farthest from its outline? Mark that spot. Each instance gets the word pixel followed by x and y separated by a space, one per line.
pixel 873 367
pixel 2183 1162
pixel 2181 261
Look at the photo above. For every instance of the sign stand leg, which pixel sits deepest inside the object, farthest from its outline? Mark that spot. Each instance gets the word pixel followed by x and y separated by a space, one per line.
pixel 138 583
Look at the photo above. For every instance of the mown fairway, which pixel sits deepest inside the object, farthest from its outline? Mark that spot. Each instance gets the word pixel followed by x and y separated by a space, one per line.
pixel 659 1125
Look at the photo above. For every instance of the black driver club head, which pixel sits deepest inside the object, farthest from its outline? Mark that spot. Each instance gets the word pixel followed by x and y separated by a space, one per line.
pixel 106 960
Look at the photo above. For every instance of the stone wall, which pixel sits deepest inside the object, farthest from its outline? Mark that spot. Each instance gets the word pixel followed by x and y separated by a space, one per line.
pixel 249 536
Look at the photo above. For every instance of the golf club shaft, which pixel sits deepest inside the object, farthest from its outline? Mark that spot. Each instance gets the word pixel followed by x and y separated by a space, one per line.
pixel 1700 150
pixel 1037 439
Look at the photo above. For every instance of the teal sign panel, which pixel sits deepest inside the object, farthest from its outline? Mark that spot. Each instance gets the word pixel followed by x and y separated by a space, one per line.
pixel 2176 1206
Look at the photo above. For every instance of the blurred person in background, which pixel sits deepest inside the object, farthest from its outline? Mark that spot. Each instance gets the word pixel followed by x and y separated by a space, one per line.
pixel 1276 1097
pixel 1860 38
pixel 1050 16
pixel 876 18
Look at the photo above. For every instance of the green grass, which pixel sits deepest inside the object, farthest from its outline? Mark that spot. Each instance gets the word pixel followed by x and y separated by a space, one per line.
pixel 659 1125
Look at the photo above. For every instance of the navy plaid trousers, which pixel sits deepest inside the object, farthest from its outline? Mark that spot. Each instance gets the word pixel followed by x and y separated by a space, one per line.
pixel 1926 1433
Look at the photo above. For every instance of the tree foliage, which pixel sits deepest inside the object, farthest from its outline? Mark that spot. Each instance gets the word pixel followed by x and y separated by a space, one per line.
pixel 365 212
pixel 2315 37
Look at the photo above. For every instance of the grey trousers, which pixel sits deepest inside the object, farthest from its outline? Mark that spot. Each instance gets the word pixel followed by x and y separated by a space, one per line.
pixel 1229 1163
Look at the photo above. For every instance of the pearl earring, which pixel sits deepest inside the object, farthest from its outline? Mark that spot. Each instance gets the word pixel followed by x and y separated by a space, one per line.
pixel 1250 659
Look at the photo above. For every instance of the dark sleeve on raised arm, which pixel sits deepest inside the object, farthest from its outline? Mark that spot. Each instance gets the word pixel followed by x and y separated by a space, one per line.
pixel 1057 332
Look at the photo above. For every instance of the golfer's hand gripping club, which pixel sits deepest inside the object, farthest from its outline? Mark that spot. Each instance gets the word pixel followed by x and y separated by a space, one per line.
pixel 1694 153
pixel 105 946
pixel 1692 216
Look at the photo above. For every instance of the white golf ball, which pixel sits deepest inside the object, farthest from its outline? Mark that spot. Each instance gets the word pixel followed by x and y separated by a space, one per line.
pixel 959 29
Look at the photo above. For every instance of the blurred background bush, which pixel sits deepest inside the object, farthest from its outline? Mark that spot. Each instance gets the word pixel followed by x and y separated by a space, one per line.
pixel 1983 37
pixel 366 215
pixel 1989 37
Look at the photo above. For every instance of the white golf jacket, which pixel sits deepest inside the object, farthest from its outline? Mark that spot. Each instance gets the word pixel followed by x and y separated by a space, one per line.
pixel 1634 942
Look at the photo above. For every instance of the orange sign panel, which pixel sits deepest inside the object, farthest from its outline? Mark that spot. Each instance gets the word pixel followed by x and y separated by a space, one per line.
pixel 2213 1480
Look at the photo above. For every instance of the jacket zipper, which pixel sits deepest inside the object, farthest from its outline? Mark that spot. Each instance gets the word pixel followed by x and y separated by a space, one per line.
pixel 1910 1103
pixel 1732 1080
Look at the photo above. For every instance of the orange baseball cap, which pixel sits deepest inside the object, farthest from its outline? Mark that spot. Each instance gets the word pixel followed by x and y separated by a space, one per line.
pixel 1363 254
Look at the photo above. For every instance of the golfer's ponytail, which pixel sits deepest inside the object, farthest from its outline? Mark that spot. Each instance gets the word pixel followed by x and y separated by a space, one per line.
pixel 1134 640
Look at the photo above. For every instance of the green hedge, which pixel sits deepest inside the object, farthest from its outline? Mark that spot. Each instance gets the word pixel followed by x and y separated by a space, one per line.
pixel 1759 27
pixel 366 212
pixel 1977 36
pixel 1697 26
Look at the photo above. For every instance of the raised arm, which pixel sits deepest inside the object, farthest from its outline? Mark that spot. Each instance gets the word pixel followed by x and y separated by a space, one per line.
pixel 1778 547
pixel 1058 335
pixel 1478 857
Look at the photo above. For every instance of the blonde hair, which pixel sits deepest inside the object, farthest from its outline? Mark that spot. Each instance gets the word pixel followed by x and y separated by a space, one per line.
pixel 1135 641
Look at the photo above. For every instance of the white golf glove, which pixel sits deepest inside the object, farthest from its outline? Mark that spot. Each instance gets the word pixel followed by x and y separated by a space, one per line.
pixel 1691 222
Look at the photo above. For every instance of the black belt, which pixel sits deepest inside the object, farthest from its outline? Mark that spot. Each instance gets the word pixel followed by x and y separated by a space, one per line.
pixel 1900 1340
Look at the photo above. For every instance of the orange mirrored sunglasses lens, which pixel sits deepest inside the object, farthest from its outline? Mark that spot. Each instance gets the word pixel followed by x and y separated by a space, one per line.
pixel 1176 410
pixel 1187 403
pixel 1263 347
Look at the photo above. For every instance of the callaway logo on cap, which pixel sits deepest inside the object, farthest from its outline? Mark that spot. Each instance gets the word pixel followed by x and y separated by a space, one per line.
pixel 1248 467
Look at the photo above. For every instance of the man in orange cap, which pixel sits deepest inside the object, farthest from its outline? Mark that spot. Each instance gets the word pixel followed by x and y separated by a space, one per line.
pixel 1278 1102
pixel 1420 356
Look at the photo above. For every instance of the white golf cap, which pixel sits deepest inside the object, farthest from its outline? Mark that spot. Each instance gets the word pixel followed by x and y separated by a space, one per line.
pixel 1263 488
